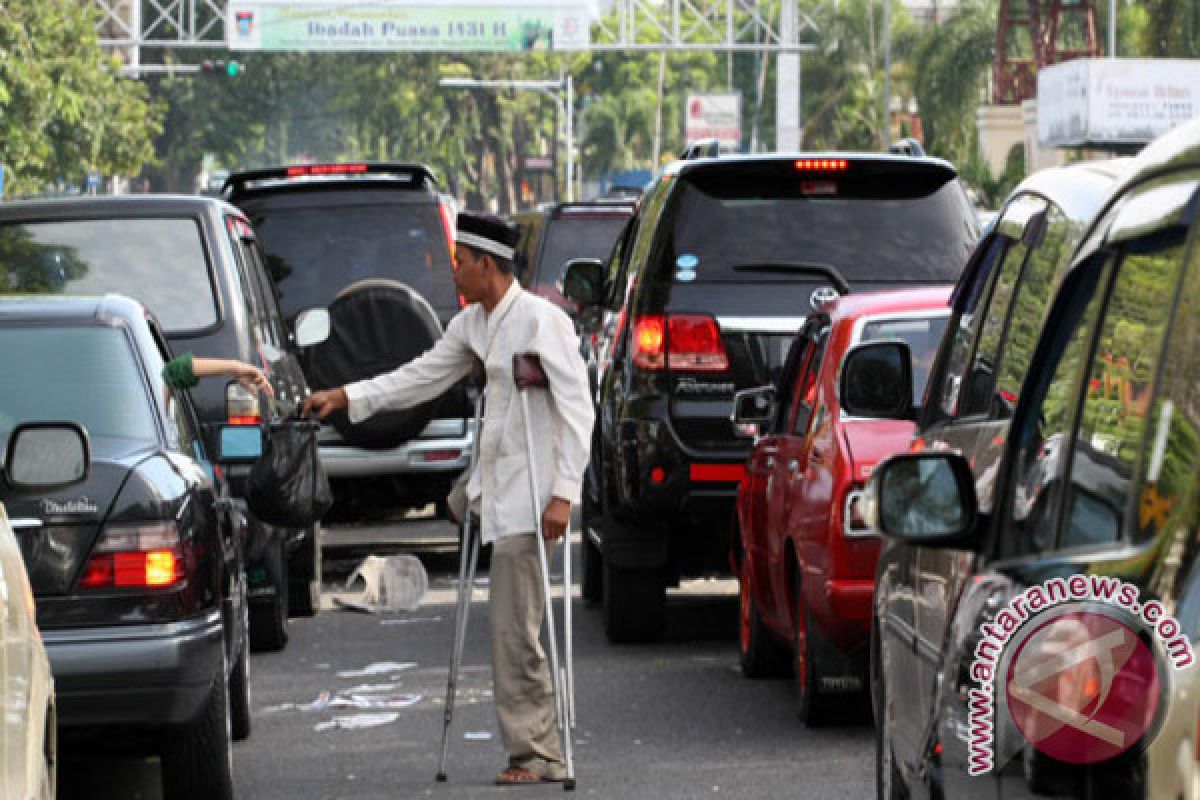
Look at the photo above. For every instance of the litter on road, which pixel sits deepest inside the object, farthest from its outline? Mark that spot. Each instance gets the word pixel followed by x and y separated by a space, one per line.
pixel 478 736
pixel 409 620
pixel 356 722
pixel 378 668
pixel 394 583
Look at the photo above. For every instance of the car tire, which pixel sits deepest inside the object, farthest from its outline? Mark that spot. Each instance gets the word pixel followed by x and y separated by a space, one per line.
pixel 889 784
pixel 239 683
pixel 634 604
pixel 814 707
pixel 269 614
pixel 197 761
pixel 761 655
pixel 304 576
pixel 591 579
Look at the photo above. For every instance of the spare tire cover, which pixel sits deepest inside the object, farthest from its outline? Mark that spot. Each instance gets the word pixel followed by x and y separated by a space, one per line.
pixel 376 325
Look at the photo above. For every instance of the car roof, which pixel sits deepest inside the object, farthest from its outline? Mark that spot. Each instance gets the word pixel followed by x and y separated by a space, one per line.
pixel 867 304
pixel 1079 189
pixel 126 205
pixel 682 168
pixel 1173 150
pixel 72 308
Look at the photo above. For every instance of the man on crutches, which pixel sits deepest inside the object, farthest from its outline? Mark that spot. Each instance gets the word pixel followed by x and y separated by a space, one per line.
pixel 546 450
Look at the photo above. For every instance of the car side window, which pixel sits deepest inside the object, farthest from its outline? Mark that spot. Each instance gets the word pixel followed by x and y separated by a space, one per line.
pixel 793 367
pixel 1044 269
pixel 253 303
pixel 964 330
pixel 272 318
pixel 980 379
pixel 1116 403
pixel 804 395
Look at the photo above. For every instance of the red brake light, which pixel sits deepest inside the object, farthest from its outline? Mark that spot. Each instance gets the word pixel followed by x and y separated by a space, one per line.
pixel 649 339
pixel 694 344
pixel 138 556
pixel 325 169
pixel 822 164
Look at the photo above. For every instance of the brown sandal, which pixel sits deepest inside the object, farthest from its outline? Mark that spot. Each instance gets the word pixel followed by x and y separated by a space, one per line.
pixel 519 776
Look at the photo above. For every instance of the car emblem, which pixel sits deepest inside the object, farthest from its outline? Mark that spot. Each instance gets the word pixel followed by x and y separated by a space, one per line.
pixel 821 296
pixel 80 505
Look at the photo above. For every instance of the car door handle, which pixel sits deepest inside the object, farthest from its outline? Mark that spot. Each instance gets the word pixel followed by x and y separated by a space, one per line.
pixel 793 465
pixel 770 462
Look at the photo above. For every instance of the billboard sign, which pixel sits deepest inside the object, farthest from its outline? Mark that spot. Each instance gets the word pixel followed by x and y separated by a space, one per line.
pixel 714 116
pixel 448 26
pixel 1115 101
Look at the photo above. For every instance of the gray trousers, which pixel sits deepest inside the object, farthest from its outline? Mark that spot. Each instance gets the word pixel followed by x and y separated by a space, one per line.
pixel 523 691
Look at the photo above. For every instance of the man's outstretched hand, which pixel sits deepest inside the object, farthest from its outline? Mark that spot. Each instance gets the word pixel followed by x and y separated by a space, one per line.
pixel 325 402
pixel 555 519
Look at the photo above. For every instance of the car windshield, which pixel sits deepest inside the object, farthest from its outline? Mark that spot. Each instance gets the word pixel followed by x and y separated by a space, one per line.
pixel 317 249
pixel 922 336
pixel 159 262
pixel 576 236
pixel 881 223
pixel 85 374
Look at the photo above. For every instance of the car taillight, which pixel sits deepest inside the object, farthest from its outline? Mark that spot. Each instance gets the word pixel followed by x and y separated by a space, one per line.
pixel 448 223
pixel 854 517
pixel 682 342
pixel 822 164
pixel 135 556
pixel 241 406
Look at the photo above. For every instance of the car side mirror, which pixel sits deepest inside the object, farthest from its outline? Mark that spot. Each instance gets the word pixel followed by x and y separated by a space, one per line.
pixel 925 499
pixel 583 281
pixel 47 455
pixel 239 444
pixel 312 327
pixel 754 406
pixel 876 381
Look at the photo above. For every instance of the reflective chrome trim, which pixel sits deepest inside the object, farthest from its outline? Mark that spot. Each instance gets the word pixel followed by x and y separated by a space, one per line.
pixel 21 523
pixel 761 324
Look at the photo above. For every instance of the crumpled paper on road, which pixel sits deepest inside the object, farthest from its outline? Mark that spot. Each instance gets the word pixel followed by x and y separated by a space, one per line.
pixel 356 722
pixel 392 583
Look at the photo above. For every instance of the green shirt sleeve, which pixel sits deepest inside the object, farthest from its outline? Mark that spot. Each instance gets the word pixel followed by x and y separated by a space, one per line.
pixel 178 372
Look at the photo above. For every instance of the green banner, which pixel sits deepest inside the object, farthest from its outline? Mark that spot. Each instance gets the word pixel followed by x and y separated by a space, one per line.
pixel 448 26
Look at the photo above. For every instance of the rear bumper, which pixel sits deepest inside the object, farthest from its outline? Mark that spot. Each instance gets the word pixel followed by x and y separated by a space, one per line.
pixel 145 675
pixel 431 453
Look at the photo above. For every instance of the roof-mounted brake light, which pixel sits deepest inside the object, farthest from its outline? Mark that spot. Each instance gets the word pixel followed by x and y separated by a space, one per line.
pixel 822 164
pixel 302 170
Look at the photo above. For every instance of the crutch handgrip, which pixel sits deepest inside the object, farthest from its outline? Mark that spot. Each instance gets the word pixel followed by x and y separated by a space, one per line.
pixel 528 372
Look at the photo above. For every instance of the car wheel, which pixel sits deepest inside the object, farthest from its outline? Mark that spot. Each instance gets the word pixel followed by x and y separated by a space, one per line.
pixel 197 761
pixel 592 579
pixel 239 685
pixel 634 604
pixel 269 613
pixel 304 577
pixel 761 655
pixel 813 706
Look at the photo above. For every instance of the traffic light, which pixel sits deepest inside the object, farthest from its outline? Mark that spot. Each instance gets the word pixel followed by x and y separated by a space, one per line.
pixel 230 69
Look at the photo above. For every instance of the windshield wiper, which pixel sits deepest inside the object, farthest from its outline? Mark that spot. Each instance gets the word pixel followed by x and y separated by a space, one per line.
pixel 792 267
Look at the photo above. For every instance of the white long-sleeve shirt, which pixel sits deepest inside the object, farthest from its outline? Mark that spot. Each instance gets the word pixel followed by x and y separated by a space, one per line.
pixel 561 418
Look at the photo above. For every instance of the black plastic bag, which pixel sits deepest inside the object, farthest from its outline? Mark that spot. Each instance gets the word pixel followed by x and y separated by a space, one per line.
pixel 287 486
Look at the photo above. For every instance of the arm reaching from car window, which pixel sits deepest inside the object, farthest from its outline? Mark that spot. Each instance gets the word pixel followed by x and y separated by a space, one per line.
pixel 186 370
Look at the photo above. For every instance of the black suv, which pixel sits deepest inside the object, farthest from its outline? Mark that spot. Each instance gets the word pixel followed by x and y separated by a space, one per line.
pixel 373 244
pixel 194 262
pixel 724 262
pixel 133 547
pixel 562 232
pixel 1094 488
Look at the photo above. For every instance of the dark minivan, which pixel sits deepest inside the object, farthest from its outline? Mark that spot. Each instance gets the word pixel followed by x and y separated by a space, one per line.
pixel 724 262
pixel 1036 639
pixel 194 263
pixel 133 547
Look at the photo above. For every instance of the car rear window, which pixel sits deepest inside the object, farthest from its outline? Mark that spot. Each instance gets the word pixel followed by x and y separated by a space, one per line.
pixel 160 262
pixel 85 374
pixel 921 334
pixel 317 249
pixel 877 221
pixel 576 236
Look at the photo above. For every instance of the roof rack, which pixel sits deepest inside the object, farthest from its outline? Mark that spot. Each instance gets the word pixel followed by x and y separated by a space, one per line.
pixel 274 177
pixel 907 147
pixel 703 148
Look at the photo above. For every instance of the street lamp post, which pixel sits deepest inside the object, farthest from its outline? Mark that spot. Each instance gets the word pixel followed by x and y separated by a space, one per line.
pixel 563 92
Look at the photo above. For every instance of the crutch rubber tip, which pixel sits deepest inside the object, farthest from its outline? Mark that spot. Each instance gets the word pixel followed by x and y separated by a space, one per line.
pixel 441 777
pixel 569 785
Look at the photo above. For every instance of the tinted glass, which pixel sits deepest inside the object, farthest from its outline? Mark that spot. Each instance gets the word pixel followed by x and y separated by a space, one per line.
pixel 922 337
pixel 1117 402
pixel 82 374
pixel 575 237
pixel 804 396
pixel 727 221
pixel 160 262
pixel 981 379
pixel 315 251
pixel 966 327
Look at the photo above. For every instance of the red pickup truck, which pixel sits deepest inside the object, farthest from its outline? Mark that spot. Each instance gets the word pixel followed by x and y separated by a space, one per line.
pixel 803 555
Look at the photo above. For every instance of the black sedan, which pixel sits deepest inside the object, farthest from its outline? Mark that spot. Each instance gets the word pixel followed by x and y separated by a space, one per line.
pixel 133 549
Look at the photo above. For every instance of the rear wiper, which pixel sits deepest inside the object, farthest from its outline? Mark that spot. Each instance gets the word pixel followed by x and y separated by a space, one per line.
pixel 792 267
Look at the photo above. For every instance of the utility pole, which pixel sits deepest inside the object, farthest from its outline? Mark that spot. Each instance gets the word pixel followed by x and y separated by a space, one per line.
pixel 787 81
pixel 1112 28
pixel 658 111
pixel 887 73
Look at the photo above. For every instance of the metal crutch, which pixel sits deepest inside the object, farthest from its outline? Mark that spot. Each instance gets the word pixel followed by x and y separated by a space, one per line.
pixel 528 374
pixel 468 560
